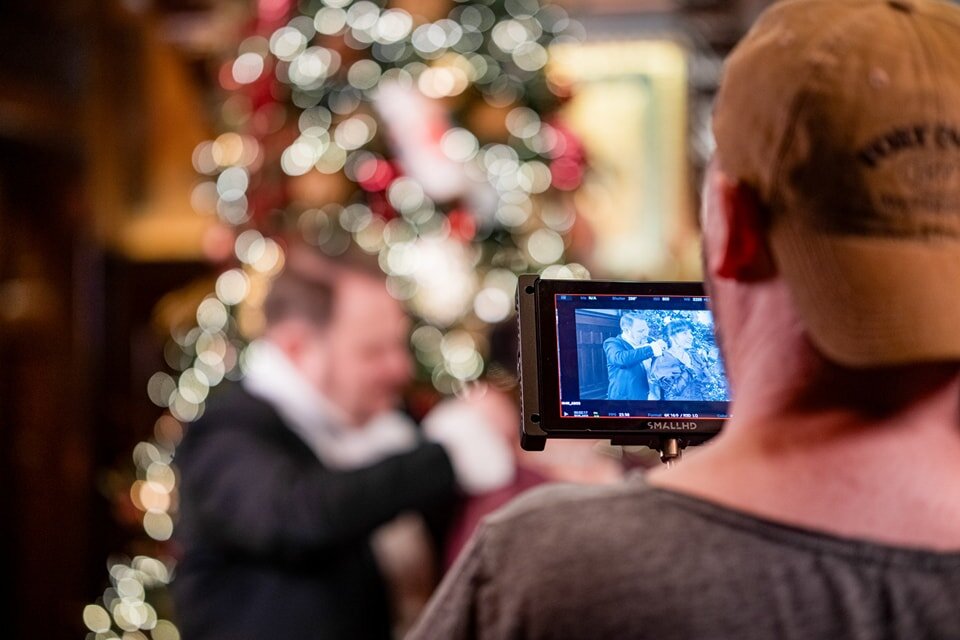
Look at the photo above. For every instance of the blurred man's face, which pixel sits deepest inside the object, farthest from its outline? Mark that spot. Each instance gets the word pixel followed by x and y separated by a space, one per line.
pixel 638 331
pixel 366 344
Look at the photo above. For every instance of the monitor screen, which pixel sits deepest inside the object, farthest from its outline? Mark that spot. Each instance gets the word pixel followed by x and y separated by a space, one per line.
pixel 629 357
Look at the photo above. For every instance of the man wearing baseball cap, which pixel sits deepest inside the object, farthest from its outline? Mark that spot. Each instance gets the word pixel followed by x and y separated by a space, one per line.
pixel 829 506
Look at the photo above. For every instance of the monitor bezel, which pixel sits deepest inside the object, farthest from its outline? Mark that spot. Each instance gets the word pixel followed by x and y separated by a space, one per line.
pixel 539 367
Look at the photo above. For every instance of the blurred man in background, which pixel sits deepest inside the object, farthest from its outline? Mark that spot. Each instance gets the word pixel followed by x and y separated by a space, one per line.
pixel 287 476
pixel 829 505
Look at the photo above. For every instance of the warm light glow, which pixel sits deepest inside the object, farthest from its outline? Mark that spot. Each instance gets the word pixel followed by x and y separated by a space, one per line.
pixel 394 25
pixel 154 572
pixel 227 149
pixel 232 183
pixel 432 38
pixel 287 42
pixel 203 160
pixel 370 237
pixel 402 259
pixel 270 261
pixel 332 160
pixel 131 616
pixel 572 271
pixel 232 286
pixel 477 16
pixel 234 211
pixel 355 217
pixel 165 630
pixel 159 388
pixel 544 141
pixel 401 288
pixel 330 20
pixel 247 67
pixel 168 431
pixel 154 497
pixel 310 68
pixel 399 231
pixel 509 34
pixel 355 132
pixel 212 366
pixel 314 122
pixel 534 177
pixel 158 526
pixel 492 305
pixel 514 209
pixel 203 198
pixel 362 15
pixel 96 618
pixel 245 243
pixel 442 82
pixel 445 280
pixel 299 157
pixel 530 56
pixel 212 315
pixel 162 474
pixel 406 195
pixel 184 410
pixel 459 144
pixel 523 122
pixel 145 454
pixel 460 356
pixel 364 74
pixel 129 588
pixel 545 246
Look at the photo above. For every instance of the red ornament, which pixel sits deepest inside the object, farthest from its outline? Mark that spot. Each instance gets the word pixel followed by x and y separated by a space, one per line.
pixel 462 225
pixel 567 173
pixel 380 206
pixel 375 174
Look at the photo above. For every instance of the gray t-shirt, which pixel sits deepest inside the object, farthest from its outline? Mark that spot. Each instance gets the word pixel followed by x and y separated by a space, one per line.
pixel 633 561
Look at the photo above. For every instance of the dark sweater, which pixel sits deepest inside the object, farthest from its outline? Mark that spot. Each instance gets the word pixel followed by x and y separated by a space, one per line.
pixel 274 544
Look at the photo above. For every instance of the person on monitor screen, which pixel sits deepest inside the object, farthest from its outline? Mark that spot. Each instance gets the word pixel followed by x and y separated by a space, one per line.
pixel 628 358
pixel 680 373
pixel 829 504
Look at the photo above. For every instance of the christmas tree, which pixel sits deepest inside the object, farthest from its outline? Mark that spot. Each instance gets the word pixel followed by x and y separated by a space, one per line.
pixel 422 132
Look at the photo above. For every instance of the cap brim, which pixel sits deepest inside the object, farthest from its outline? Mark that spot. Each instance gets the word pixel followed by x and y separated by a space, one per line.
pixel 873 301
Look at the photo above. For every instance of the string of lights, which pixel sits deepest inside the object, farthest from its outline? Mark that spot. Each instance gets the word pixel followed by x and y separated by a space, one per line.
pixel 426 140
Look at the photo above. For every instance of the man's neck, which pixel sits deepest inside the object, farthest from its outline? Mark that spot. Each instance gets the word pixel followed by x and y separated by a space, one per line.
pixel 881 473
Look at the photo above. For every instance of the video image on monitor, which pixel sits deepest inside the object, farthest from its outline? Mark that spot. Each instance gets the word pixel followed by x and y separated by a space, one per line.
pixel 639 356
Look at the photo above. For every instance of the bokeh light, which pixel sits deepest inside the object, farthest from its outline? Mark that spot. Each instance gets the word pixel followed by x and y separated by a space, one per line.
pixel 320 76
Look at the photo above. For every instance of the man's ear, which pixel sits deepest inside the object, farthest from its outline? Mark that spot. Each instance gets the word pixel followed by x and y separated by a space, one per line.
pixel 742 253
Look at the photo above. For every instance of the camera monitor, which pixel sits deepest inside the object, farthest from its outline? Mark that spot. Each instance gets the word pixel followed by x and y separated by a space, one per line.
pixel 635 362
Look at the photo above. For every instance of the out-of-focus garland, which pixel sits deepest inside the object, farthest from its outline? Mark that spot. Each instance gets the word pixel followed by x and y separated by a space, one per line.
pixel 420 130
pixel 425 139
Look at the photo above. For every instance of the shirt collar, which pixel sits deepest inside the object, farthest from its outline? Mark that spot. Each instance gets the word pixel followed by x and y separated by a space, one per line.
pixel 271 376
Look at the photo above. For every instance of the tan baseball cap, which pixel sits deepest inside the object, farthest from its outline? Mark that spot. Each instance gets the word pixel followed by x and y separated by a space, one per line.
pixel 844 115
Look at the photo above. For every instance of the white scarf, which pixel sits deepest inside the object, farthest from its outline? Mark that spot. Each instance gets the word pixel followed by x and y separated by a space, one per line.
pixel 271 376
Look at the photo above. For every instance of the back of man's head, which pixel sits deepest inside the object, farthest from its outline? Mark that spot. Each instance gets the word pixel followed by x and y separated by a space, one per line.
pixel 628 319
pixel 843 116
pixel 307 289
pixel 294 294
pixel 340 328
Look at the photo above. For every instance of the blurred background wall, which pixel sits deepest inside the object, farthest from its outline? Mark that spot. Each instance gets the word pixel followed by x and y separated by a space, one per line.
pixel 101 107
